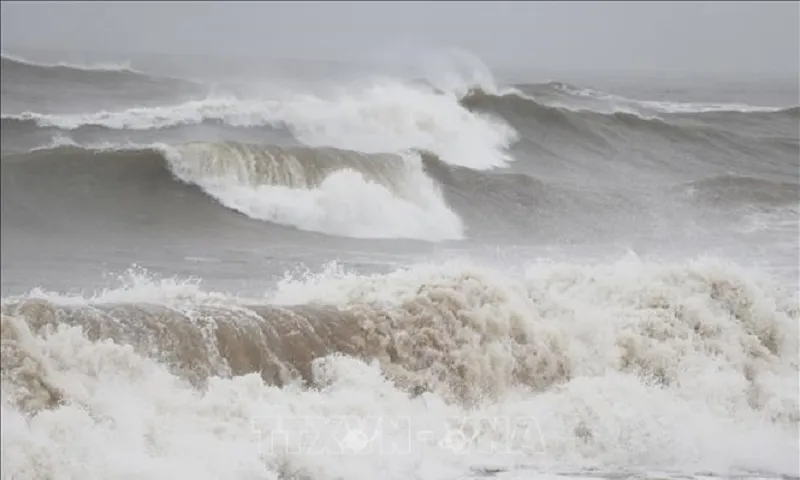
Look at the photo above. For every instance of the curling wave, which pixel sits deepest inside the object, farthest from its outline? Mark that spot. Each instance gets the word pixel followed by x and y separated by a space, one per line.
pixel 325 190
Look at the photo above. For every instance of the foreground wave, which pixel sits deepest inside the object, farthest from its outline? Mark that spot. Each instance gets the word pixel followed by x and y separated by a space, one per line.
pixel 690 367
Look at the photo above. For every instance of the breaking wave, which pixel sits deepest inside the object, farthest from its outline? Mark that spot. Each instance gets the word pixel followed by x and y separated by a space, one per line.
pixel 686 367
pixel 390 117
pixel 326 190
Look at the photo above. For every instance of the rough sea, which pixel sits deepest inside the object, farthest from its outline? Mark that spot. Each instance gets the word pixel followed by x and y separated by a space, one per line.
pixel 246 270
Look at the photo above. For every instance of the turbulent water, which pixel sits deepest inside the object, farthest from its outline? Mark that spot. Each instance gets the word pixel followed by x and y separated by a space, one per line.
pixel 334 273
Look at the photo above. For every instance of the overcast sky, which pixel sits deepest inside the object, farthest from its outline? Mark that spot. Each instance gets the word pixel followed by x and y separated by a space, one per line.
pixel 571 36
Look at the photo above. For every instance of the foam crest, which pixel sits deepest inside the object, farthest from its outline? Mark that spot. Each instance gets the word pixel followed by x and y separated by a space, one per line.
pixel 379 117
pixel 134 285
pixel 393 117
pixel 629 105
pixel 226 109
pixel 376 118
pixel 670 324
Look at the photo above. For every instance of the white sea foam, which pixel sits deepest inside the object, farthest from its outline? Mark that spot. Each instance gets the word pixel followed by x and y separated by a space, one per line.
pixel 345 203
pixel 724 400
pixel 386 116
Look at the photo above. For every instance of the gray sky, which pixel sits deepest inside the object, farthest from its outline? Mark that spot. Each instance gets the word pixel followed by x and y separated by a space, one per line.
pixel 596 36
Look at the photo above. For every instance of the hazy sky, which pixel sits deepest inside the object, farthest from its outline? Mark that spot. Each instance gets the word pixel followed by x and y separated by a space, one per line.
pixel 572 36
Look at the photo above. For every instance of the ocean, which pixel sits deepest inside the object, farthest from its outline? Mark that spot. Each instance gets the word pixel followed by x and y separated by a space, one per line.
pixel 285 269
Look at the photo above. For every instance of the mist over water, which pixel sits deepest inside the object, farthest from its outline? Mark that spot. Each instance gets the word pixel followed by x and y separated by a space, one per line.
pixel 607 270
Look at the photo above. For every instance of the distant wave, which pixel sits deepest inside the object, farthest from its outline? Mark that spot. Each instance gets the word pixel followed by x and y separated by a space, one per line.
pixel 629 105
pixel 36 85
pixel 388 117
pixel 583 125
pixel 646 113
pixel 227 109
pixel 325 190
pixel 386 123
pixel 699 137
pixel 245 112
pixel 13 61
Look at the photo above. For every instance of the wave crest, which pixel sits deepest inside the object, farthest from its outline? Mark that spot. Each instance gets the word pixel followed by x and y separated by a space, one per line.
pixel 325 190
pixel 14 62
pixel 383 117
